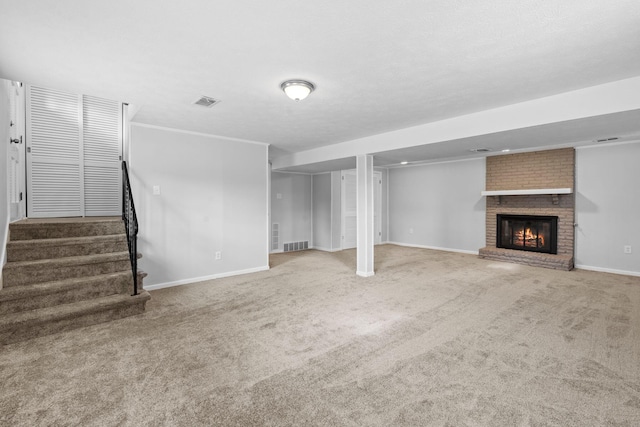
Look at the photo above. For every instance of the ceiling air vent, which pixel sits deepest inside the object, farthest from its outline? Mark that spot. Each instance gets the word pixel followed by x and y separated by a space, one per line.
pixel 479 150
pixel 613 138
pixel 207 101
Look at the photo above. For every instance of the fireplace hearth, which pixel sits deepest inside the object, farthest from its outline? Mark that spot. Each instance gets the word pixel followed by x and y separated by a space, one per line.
pixel 534 233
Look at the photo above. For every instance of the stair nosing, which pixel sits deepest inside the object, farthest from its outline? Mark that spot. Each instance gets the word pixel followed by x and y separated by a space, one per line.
pixel 73 260
pixel 13 293
pixel 66 240
pixel 64 311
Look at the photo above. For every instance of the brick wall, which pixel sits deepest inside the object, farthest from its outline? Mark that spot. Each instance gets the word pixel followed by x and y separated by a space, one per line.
pixel 526 171
pixel 536 170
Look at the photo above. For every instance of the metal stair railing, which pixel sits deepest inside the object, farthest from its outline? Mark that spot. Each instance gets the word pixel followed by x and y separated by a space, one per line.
pixel 131 224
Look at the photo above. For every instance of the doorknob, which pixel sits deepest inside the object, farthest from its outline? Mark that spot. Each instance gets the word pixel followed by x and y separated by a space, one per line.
pixel 15 140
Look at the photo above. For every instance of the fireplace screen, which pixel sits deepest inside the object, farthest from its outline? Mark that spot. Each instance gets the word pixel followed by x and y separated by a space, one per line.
pixel 528 233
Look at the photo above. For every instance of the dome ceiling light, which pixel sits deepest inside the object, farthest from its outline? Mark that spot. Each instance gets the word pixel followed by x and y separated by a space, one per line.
pixel 297 89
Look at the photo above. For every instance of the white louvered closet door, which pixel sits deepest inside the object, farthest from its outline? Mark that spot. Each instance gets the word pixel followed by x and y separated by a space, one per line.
pixel 54 132
pixel 74 144
pixel 102 136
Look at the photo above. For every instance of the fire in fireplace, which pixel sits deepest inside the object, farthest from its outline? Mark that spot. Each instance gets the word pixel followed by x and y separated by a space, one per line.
pixel 528 233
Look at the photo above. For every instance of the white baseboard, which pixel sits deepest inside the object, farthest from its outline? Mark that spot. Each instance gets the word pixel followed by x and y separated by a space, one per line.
pixel 607 270
pixel 408 245
pixel 320 248
pixel 203 278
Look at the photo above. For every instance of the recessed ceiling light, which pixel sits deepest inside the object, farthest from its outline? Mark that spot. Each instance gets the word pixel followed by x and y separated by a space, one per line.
pixel 404 163
pixel 506 150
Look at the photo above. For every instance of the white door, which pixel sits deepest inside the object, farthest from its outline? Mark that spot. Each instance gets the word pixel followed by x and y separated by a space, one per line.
pixel 349 205
pixel 74 144
pixel 16 152
pixel 102 151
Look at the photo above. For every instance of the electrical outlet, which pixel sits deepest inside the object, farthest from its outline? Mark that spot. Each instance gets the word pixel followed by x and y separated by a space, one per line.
pixel 218 255
pixel 411 231
pixel 156 190
pixel 627 249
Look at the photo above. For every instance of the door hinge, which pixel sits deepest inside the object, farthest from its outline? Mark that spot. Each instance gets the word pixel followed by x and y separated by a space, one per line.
pixel 28 149
pixel 20 196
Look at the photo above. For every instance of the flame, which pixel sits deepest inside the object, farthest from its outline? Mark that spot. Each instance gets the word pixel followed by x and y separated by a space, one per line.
pixel 527 236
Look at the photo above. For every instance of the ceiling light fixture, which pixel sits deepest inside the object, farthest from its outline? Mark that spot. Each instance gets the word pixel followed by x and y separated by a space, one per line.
pixel 404 163
pixel 297 89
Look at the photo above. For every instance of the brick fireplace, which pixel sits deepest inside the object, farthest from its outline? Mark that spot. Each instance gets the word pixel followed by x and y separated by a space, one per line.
pixel 536 184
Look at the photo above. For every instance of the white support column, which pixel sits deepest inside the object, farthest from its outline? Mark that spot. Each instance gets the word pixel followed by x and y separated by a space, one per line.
pixel 364 173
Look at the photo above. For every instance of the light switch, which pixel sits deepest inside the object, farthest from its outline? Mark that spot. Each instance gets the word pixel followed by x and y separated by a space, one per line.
pixel 156 190
pixel 278 195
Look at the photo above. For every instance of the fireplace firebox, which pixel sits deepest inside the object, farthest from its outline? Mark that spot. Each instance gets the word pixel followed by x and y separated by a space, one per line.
pixel 528 233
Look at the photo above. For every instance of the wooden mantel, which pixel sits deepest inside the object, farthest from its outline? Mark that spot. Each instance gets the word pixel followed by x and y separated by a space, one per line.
pixel 552 191
pixel 527 192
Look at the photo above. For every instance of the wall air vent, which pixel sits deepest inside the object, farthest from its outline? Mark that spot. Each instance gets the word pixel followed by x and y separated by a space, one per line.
pixel 207 101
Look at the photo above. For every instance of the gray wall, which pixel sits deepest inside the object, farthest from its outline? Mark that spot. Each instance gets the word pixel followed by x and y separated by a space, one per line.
pixel 4 170
pixel 608 207
pixel 438 205
pixel 322 211
pixel 292 211
pixel 213 197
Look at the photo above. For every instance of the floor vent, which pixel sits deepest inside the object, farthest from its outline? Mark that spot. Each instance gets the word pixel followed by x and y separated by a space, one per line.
pixel 296 246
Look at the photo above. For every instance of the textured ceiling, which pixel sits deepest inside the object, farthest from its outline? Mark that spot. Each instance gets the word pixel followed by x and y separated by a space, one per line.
pixel 378 66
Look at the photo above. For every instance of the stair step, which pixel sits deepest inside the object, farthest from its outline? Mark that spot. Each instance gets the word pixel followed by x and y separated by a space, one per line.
pixel 60 228
pixel 30 297
pixel 37 249
pixel 21 273
pixel 44 321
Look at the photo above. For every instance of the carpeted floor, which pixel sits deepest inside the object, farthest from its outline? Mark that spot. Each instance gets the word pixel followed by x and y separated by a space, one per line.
pixel 434 338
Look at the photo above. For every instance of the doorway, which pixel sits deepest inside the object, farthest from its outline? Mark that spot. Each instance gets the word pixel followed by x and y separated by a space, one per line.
pixel 349 208
pixel 16 165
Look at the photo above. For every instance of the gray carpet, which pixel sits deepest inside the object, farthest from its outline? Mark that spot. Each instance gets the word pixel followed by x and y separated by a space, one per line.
pixel 434 338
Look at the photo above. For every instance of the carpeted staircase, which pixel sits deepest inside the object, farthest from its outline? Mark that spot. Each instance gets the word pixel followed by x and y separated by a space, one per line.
pixel 64 274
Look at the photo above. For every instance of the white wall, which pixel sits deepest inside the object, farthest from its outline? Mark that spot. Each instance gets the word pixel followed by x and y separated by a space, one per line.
pixel 4 168
pixel 608 207
pixel 292 209
pixel 213 197
pixel 322 211
pixel 438 205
